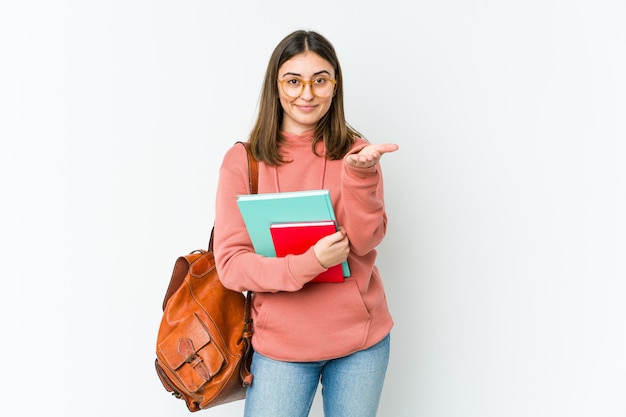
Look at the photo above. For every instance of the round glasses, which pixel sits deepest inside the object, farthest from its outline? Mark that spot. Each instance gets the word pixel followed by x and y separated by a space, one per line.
pixel 321 87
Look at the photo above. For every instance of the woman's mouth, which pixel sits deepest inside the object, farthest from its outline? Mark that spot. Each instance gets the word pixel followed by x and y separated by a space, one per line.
pixel 306 108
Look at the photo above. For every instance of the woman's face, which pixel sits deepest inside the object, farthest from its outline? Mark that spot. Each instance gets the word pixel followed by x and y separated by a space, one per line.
pixel 302 113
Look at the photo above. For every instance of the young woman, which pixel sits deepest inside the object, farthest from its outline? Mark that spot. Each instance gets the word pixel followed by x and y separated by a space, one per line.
pixel 306 332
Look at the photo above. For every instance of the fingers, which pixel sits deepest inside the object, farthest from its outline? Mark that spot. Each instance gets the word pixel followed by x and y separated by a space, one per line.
pixel 361 160
pixel 332 249
pixel 336 237
pixel 379 148
pixel 387 147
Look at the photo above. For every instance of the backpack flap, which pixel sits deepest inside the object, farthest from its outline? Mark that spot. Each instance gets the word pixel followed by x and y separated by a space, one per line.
pixel 190 354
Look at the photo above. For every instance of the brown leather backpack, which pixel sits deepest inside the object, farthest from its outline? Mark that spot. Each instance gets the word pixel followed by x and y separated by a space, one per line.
pixel 203 348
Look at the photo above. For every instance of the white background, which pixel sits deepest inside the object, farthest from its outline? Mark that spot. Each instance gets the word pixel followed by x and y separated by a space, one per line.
pixel 504 261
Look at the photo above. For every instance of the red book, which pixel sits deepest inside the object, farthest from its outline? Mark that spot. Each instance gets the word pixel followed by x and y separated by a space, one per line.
pixel 295 238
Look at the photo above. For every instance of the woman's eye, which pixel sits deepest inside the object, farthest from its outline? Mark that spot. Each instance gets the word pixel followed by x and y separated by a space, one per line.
pixel 293 81
pixel 320 81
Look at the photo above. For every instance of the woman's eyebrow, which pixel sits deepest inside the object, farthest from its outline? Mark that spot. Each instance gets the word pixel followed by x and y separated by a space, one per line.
pixel 300 75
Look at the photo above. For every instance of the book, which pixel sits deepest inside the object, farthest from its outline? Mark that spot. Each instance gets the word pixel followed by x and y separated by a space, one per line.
pixel 260 211
pixel 295 238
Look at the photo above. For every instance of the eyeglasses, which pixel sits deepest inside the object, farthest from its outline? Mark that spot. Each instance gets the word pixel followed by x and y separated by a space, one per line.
pixel 321 87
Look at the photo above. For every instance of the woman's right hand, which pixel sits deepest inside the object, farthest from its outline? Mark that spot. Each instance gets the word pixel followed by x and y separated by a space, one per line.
pixel 332 249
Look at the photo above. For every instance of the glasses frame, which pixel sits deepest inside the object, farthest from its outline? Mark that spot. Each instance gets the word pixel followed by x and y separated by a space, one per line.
pixel 305 83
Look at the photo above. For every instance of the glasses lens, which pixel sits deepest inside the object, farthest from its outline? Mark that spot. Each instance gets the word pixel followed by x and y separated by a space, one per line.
pixel 292 87
pixel 322 87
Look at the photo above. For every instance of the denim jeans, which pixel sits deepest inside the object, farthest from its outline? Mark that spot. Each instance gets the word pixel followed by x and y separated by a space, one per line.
pixel 351 386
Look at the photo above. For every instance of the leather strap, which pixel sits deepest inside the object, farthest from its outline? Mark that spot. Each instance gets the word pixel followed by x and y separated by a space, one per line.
pixel 253 183
pixel 253 169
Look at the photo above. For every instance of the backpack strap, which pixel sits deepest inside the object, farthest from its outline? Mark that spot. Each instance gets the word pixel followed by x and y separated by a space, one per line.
pixel 253 169
pixel 253 184
pixel 244 371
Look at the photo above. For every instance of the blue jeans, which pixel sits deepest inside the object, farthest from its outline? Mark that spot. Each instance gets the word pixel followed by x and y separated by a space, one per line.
pixel 351 386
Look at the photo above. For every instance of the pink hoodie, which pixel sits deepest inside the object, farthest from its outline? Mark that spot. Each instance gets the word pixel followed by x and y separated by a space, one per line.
pixel 294 321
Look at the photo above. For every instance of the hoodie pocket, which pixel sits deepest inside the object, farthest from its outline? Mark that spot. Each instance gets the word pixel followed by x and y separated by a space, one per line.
pixel 321 321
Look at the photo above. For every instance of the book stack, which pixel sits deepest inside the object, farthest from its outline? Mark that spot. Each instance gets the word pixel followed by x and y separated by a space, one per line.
pixel 281 224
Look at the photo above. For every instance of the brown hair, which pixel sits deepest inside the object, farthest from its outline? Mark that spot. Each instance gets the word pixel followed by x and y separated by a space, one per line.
pixel 337 134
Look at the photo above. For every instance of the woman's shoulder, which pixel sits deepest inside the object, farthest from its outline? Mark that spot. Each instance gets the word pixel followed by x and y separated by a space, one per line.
pixel 235 159
pixel 236 152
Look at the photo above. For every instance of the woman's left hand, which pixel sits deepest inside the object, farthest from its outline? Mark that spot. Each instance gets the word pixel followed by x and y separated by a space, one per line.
pixel 370 155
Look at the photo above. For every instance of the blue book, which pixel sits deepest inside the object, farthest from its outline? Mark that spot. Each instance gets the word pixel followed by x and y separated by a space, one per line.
pixel 260 211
